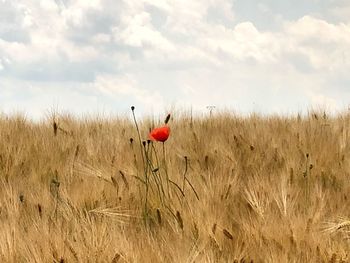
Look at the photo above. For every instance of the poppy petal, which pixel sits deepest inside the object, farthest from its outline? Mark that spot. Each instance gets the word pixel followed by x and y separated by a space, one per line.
pixel 160 134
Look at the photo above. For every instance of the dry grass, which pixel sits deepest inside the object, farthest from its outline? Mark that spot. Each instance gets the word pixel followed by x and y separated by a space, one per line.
pixel 270 189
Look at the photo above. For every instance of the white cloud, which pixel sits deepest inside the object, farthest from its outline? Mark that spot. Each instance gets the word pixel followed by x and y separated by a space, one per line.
pixel 193 51
pixel 126 86
pixel 325 44
pixel 101 39
pixel 243 42
pixel 137 31
pixel 341 12
pixel 324 102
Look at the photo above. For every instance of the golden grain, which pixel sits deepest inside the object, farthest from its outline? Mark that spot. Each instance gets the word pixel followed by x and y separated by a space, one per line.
pixel 279 185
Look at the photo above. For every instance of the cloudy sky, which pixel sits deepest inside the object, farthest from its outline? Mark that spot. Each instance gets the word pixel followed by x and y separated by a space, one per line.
pixel 87 56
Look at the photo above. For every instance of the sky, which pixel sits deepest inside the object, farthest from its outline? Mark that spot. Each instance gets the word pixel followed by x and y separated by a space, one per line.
pixel 88 56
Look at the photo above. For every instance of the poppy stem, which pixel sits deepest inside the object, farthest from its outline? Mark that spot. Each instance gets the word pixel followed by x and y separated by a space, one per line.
pixel 166 170
pixel 139 135
pixel 143 160
pixel 159 176
pixel 150 170
pixel 147 181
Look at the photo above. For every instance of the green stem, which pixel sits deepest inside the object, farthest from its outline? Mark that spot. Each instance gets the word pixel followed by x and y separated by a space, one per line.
pixel 166 170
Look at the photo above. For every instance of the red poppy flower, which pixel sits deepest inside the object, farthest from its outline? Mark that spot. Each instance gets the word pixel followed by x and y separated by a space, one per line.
pixel 160 134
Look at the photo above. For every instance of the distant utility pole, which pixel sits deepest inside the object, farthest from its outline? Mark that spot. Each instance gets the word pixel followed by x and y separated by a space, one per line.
pixel 210 108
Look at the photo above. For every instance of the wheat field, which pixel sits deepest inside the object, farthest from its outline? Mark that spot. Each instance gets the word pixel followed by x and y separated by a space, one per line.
pixel 224 188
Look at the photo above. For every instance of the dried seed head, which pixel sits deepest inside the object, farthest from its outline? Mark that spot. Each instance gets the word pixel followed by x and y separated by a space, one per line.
pixel 40 210
pixel 159 217
pixel 114 182
pixel 179 220
pixel 55 128
pixel 213 229
pixel 333 258
pixel 76 151
pixel 227 234
pixel 131 140
pixel 132 108
pixel 167 119
pixel 116 258
pixel 206 160
pixel 195 231
pixel 124 179
pixel 228 191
